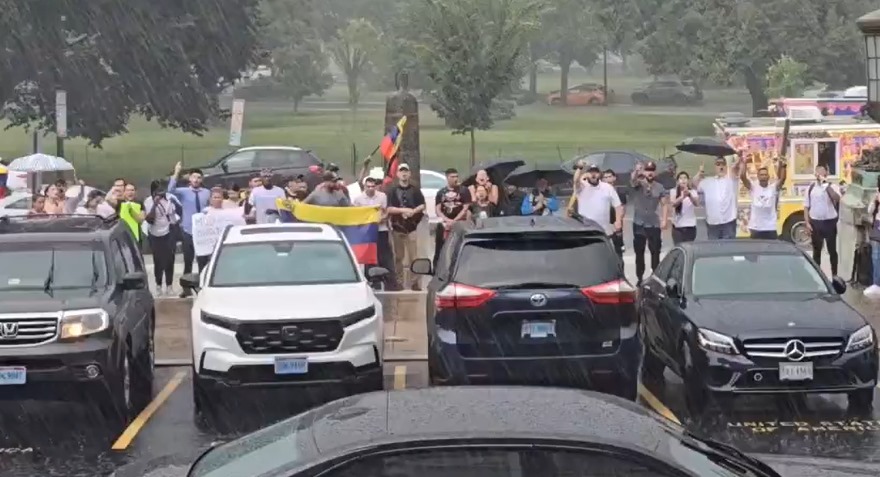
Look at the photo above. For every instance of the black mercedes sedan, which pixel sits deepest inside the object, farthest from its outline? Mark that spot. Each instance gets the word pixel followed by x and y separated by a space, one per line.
pixel 477 431
pixel 752 316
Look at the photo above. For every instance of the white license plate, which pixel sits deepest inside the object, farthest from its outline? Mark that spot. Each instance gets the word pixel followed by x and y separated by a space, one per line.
pixel 11 375
pixel 291 366
pixel 538 329
pixel 795 371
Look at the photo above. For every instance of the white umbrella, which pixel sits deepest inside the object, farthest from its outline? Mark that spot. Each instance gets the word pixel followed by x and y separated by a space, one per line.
pixel 40 163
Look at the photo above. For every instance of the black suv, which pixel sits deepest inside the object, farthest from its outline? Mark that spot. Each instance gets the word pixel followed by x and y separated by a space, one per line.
pixel 531 299
pixel 76 314
pixel 237 167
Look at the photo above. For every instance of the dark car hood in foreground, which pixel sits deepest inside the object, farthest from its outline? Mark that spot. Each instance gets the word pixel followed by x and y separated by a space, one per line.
pixel 812 467
pixel 37 301
pixel 755 317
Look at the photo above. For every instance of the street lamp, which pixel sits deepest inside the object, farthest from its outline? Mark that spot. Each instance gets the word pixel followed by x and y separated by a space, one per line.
pixel 870 26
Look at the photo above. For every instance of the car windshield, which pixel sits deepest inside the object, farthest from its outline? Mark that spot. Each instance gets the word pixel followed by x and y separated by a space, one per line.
pixel 755 274
pixel 283 264
pixel 51 266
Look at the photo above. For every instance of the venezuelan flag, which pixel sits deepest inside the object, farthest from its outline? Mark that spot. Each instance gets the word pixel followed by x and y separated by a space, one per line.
pixel 4 176
pixel 359 225
pixel 391 142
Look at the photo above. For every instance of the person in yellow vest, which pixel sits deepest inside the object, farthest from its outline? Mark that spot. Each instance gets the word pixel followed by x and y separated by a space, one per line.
pixel 131 211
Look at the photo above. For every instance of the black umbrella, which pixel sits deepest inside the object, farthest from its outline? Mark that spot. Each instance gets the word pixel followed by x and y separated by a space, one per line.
pixel 497 169
pixel 706 146
pixel 527 175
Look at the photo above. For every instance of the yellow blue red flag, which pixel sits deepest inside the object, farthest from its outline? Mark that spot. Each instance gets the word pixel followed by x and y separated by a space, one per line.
pixel 359 225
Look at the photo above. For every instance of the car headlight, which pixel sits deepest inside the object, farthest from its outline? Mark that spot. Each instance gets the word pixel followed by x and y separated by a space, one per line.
pixel 77 323
pixel 712 341
pixel 861 339
pixel 220 321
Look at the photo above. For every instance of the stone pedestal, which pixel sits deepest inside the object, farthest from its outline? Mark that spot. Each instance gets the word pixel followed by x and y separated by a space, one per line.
pixel 854 218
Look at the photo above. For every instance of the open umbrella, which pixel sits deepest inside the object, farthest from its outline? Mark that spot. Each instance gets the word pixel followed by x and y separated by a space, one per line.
pixel 705 146
pixel 40 163
pixel 527 175
pixel 497 169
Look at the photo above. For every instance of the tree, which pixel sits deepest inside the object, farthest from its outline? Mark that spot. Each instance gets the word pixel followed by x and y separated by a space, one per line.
pixel 166 60
pixel 472 50
pixel 299 63
pixel 572 33
pixel 351 50
pixel 786 78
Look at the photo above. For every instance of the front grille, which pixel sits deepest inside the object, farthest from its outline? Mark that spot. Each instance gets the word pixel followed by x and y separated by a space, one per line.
pixel 278 337
pixel 31 330
pixel 776 347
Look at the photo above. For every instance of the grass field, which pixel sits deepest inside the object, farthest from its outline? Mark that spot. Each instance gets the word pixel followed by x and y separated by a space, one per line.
pixel 538 133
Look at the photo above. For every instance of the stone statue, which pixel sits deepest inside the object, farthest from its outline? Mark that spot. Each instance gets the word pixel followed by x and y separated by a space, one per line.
pixel 404 103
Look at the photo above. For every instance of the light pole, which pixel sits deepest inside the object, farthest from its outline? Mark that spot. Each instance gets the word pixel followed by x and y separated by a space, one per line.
pixel 869 24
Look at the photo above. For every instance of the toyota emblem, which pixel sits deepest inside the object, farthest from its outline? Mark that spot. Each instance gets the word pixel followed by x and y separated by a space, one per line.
pixel 795 350
pixel 538 300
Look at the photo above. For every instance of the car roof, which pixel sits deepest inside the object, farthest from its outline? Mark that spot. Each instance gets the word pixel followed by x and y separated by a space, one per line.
pixel 290 232
pixel 258 148
pixel 61 228
pixel 715 248
pixel 526 224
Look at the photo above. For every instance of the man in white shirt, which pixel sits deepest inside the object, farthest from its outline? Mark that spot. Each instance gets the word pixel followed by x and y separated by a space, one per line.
pixel 596 198
pixel 764 214
pixel 372 197
pixel 263 199
pixel 820 213
pixel 719 196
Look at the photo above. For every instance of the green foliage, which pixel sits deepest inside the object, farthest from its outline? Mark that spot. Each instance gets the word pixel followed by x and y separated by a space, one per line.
pixel 355 45
pixel 164 59
pixel 786 78
pixel 572 33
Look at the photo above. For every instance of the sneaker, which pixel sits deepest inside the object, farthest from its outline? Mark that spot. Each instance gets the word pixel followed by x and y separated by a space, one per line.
pixel 872 291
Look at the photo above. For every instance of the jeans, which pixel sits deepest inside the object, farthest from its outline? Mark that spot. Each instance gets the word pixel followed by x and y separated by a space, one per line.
pixel 721 231
pixel 651 237
pixel 875 262
pixel 163 258
pixel 825 232
pixel 189 252
pixel 683 234
pixel 763 234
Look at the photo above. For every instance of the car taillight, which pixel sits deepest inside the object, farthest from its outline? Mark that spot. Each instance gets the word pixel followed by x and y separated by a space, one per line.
pixel 456 295
pixel 611 293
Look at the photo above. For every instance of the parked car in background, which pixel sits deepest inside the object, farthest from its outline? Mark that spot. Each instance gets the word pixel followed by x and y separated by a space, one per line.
pixel 585 94
pixel 431 182
pixel 18 203
pixel 238 166
pixel 668 92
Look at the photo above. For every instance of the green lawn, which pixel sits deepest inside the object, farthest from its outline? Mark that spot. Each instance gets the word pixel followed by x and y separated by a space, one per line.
pixel 535 134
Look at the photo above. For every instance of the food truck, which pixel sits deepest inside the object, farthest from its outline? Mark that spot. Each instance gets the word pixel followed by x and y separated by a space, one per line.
pixel 833 141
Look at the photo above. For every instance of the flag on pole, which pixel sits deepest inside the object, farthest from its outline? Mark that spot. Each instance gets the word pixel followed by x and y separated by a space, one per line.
pixel 359 225
pixel 391 142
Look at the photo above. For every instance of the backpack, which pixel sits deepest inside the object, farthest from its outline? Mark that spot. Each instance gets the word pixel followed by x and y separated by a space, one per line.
pixel 835 203
pixel 863 266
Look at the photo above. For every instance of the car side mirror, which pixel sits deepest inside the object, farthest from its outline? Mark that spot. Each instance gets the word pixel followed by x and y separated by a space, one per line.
pixel 224 166
pixel 376 274
pixel 134 281
pixel 673 288
pixel 190 281
pixel 839 285
pixel 421 266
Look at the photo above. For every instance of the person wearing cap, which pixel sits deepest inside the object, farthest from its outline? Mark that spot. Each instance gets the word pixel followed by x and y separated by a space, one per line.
pixel 451 206
pixel 406 208
pixel 263 199
pixel 719 198
pixel 596 199
pixel 329 193
pixel 650 215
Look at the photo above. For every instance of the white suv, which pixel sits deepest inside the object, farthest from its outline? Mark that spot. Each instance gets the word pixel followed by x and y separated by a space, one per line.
pixel 284 304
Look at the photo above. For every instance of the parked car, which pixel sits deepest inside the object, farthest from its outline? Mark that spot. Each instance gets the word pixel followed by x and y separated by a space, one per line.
pixel 430 181
pixel 735 317
pixel 531 300
pixel 668 92
pixel 245 333
pixel 586 94
pixel 237 167
pixel 76 314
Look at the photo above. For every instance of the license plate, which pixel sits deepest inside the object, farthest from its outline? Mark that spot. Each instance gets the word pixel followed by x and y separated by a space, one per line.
pixel 795 371
pixel 538 329
pixel 291 366
pixel 11 375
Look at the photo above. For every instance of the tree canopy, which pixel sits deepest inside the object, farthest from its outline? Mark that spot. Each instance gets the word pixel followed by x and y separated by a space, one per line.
pixel 164 59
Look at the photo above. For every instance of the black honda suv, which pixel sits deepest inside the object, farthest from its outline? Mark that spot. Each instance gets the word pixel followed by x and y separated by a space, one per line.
pixel 533 300
pixel 76 315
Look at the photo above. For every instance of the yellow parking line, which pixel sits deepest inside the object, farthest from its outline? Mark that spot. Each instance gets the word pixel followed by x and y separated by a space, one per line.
pixel 400 376
pixel 656 405
pixel 138 423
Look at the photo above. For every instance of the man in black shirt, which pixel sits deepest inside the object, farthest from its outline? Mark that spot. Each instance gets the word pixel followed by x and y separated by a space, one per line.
pixel 610 177
pixel 406 208
pixel 451 206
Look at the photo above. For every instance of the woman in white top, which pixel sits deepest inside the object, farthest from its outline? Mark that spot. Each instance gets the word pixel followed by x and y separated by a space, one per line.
pixel 684 201
pixel 764 193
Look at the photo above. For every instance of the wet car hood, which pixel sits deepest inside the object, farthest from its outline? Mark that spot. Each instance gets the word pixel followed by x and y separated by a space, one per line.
pixel 737 316
pixel 813 467
pixel 37 301
pixel 272 303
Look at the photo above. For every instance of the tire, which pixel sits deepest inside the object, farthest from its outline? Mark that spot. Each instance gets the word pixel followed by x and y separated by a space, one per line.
pixel 555 102
pixel 143 372
pixel 695 394
pixel 862 400
pixel 652 366
pixel 201 401
pixel 437 373
pixel 681 100
pixel 627 389
pixel 794 230
pixel 639 99
pixel 118 405
pixel 594 102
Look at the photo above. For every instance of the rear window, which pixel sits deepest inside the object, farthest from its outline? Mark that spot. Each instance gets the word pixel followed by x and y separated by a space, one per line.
pixel 756 274
pixel 580 261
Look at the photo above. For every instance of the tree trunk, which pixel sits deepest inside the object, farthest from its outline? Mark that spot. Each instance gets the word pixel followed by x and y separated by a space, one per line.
pixel 473 150
pixel 352 81
pixel 564 69
pixel 624 62
pixel 533 78
pixel 756 90
pixel 296 105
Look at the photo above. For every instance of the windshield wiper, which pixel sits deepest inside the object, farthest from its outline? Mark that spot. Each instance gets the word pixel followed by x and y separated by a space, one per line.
pixel 525 285
pixel 728 456
pixel 95 276
pixel 47 285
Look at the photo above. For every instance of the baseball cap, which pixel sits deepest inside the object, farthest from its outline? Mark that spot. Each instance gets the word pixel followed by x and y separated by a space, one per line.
pixel 650 166
pixel 266 172
pixel 593 167
pixel 720 160
pixel 403 167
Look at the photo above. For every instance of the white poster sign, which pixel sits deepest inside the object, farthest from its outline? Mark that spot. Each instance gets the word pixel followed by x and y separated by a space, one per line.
pixel 61 113
pixel 236 122
pixel 207 228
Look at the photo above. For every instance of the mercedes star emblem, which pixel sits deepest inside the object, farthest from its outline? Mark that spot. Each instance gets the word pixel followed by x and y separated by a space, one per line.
pixel 538 300
pixel 795 350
